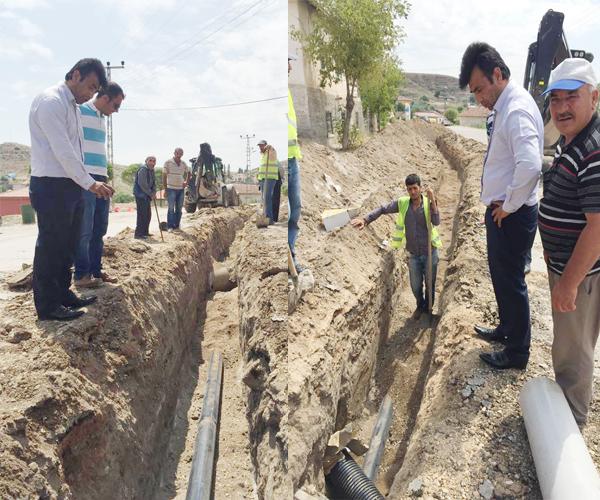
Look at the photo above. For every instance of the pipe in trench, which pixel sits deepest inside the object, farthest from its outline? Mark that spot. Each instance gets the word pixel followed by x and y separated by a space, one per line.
pixel 201 475
pixel 347 481
pixel 378 439
pixel 563 464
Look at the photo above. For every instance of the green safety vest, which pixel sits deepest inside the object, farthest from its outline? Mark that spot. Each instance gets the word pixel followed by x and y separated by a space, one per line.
pixel 293 147
pixel 399 236
pixel 269 168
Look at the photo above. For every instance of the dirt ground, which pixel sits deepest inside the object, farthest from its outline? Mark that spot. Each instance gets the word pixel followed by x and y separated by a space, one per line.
pixel 457 426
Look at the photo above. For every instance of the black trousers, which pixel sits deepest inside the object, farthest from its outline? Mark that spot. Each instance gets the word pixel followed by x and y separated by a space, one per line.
pixel 144 214
pixel 276 199
pixel 508 247
pixel 59 207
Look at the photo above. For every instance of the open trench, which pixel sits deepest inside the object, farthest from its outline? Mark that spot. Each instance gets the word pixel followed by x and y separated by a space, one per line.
pixel 107 407
pixel 361 341
pixel 404 356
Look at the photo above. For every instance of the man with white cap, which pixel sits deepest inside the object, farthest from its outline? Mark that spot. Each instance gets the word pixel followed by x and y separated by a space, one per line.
pixel 268 173
pixel 569 222
pixel 294 155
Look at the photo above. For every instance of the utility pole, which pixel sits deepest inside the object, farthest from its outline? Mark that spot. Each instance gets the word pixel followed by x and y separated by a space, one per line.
pixel 248 149
pixel 109 126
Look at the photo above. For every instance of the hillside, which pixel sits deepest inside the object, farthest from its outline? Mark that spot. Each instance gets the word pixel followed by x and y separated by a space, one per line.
pixel 437 88
pixel 15 158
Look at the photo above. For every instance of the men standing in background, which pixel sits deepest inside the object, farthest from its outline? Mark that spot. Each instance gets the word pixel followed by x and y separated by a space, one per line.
pixel 268 173
pixel 144 190
pixel 175 177
pixel 58 178
pixel 294 155
pixel 94 222
pixel 511 172
pixel 570 229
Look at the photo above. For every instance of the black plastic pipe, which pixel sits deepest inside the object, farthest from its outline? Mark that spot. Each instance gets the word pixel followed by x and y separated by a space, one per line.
pixel 201 475
pixel 347 481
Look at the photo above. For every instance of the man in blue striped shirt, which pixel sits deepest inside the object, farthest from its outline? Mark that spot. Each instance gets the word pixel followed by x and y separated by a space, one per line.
pixel 94 223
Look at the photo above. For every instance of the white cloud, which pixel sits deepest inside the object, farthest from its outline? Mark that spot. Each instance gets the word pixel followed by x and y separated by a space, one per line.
pixel 28 29
pixel 23 4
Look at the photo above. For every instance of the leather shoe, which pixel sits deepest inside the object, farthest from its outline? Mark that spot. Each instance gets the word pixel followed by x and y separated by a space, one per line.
pixel 75 302
pixel 489 334
pixel 502 360
pixel 61 313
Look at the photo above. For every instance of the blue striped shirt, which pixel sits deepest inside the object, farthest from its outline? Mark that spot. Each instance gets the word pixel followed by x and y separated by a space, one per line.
pixel 94 139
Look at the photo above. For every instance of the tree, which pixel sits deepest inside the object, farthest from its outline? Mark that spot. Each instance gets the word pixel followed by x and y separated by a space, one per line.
pixel 110 171
pixel 128 174
pixel 452 115
pixel 349 39
pixel 379 90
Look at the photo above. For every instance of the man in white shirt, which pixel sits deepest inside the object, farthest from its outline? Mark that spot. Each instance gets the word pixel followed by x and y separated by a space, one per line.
pixel 511 171
pixel 58 177
pixel 175 176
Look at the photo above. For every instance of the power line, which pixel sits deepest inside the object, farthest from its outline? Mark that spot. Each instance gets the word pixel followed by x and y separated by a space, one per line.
pixel 206 107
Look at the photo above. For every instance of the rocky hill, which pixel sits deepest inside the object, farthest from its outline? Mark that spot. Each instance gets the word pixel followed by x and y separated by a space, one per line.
pixel 438 89
pixel 15 158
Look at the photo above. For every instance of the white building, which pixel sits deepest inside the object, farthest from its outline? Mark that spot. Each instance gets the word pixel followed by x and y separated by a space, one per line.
pixel 316 108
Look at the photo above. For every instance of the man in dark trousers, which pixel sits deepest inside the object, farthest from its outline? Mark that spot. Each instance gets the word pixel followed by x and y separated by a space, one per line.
pixel 58 178
pixel 511 171
pixel 415 214
pixel 144 190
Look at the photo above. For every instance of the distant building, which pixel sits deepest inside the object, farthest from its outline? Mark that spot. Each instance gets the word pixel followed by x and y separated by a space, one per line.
pixel 407 103
pixel 11 201
pixel 316 108
pixel 473 117
pixel 431 117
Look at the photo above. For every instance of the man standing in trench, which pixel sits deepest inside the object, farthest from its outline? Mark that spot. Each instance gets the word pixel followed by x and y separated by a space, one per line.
pixel 570 229
pixel 58 178
pixel 511 170
pixel 415 214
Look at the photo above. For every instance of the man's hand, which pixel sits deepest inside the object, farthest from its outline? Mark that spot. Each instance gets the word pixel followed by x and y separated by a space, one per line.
pixel 429 193
pixel 563 297
pixel 358 223
pixel 102 190
pixel 498 214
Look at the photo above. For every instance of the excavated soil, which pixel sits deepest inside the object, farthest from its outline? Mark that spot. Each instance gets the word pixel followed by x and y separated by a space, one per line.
pixel 457 427
pixel 106 406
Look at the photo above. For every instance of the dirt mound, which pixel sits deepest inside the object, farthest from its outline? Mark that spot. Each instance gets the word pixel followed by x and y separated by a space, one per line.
pixel 85 407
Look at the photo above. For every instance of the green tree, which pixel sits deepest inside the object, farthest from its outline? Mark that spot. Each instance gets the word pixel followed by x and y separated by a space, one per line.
pixel 452 115
pixel 349 38
pixel 128 174
pixel 110 170
pixel 379 90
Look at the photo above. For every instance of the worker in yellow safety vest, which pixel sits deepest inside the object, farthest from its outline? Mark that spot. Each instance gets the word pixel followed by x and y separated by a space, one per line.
pixel 268 175
pixel 294 155
pixel 417 214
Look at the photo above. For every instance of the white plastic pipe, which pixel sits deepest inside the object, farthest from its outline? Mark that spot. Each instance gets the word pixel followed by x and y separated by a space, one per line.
pixel 564 466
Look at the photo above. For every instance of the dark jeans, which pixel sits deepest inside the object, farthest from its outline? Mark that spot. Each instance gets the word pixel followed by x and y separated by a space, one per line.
pixel 295 203
pixel 417 272
pixel 276 199
pixel 266 187
pixel 175 200
pixel 94 223
pixel 507 248
pixel 144 214
pixel 59 207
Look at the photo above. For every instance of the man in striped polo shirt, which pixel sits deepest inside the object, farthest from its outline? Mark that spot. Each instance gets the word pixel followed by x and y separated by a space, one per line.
pixel 94 223
pixel 569 223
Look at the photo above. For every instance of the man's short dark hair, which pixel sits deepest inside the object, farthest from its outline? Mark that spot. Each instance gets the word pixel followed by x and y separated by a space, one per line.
pixel 412 179
pixel 87 66
pixel 486 58
pixel 112 90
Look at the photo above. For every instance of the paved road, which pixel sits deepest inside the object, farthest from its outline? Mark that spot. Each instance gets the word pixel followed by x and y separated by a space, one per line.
pixel 477 134
pixel 17 242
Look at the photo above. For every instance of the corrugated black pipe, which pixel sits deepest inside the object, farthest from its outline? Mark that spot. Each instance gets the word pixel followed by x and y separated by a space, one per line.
pixel 347 481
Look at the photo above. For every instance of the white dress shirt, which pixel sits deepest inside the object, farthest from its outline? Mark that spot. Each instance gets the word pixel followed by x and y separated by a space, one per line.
pixel 57 136
pixel 513 162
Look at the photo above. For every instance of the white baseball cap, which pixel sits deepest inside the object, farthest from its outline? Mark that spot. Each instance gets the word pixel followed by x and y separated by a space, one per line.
pixel 292 57
pixel 571 74
pixel 262 143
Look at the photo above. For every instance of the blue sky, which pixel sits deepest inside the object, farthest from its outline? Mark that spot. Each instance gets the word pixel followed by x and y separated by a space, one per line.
pixel 177 53
pixel 438 31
